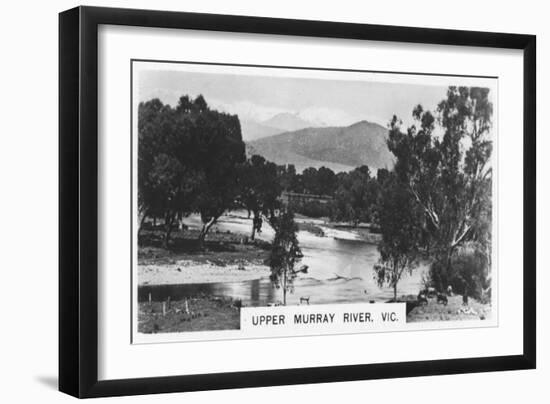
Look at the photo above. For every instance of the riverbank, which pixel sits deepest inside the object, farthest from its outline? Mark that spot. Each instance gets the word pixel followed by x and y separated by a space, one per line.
pixel 226 257
pixel 203 313
pixel 324 228
pixel 188 271
pixel 220 248
pixel 229 255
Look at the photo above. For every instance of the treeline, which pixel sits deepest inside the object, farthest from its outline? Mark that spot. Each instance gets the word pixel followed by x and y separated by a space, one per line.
pixel 352 195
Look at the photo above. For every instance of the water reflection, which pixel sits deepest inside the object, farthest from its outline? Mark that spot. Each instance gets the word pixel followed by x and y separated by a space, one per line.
pixel 340 270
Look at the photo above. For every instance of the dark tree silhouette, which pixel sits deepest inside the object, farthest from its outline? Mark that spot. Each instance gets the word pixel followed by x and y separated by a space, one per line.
pixel 355 197
pixel 259 189
pixel 449 174
pixel 188 161
pixel 168 178
pixel 400 222
pixel 285 253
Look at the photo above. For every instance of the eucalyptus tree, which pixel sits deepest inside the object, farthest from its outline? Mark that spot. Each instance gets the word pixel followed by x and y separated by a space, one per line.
pixel 259 189
pixel 218 151
pixel 168 179
pixel 285 253
pixel 444 161
pixel 355 196
pixel 188 157
pixel 400 222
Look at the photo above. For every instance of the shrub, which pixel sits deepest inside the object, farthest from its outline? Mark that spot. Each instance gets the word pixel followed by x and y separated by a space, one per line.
pixel 468 274
pixel 311 208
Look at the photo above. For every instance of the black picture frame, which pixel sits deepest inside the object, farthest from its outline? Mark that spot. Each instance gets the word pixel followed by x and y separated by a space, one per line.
pixel 78 200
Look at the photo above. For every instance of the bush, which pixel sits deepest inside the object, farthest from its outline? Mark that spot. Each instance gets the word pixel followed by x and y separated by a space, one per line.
pixel 467 275
pixel 311 208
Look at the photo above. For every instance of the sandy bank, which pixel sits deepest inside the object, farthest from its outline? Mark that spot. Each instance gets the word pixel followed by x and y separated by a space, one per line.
pixel 186 271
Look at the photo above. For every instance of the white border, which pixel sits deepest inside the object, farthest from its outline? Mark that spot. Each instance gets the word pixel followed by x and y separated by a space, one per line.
pixel 119 359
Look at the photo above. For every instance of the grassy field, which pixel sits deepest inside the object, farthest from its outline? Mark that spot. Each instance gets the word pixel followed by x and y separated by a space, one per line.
pixel 205 313
pixel 454 310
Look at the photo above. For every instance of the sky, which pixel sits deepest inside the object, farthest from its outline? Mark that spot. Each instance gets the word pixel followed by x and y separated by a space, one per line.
pixel 323 102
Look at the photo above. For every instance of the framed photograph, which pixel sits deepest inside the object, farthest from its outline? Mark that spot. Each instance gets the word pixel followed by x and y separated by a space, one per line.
pixel 250 201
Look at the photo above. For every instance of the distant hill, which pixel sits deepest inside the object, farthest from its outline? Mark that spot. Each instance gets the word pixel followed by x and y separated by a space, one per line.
pixel 279 123
pixel 287 122
pixel 252 130
pixel 338 148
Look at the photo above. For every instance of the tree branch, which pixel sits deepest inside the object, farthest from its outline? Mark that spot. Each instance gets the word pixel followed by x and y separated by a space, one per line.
pixel 431 212
pixel 457 241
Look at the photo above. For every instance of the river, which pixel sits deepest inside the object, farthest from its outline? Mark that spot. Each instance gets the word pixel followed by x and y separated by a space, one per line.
pixel 340 269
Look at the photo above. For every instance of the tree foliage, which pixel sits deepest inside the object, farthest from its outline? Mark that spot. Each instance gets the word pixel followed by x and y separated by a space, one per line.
pixel 355 197
pixel 187 161
pixel 400 222
pixel 322 181
pixel 468 273
pixel 285 253
pixel 444 162
pixel 259 189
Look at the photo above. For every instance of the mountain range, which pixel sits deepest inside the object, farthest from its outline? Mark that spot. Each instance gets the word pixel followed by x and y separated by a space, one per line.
pixel 279 123
pixel 337 148
pixel 288 122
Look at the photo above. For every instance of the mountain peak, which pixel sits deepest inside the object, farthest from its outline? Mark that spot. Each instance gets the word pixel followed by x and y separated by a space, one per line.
pixel 287 121
pixel 367 124
pixel 338 148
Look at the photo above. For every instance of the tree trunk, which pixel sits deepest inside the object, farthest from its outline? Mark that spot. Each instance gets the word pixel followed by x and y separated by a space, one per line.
pixel 202 236
pixel 253 234
pixel 166 238
pixel 255 217
pixel 284 287
pixel 444 279
pixel 141 222
pixel 272 220
pixel 167 230
pixel 204 231
pixel 395 277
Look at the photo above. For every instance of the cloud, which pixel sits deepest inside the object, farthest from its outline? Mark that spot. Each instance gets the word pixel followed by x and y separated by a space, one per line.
pixel 246 110
pixel 317 116
pixel 322 116
pixel 250 111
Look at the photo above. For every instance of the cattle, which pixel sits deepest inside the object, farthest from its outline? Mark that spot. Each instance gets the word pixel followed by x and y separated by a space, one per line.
pixel 422 299
pixel 441 298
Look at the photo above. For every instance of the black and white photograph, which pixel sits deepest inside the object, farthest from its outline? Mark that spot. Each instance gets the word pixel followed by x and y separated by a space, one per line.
pixel 267 187
pixel 275 202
